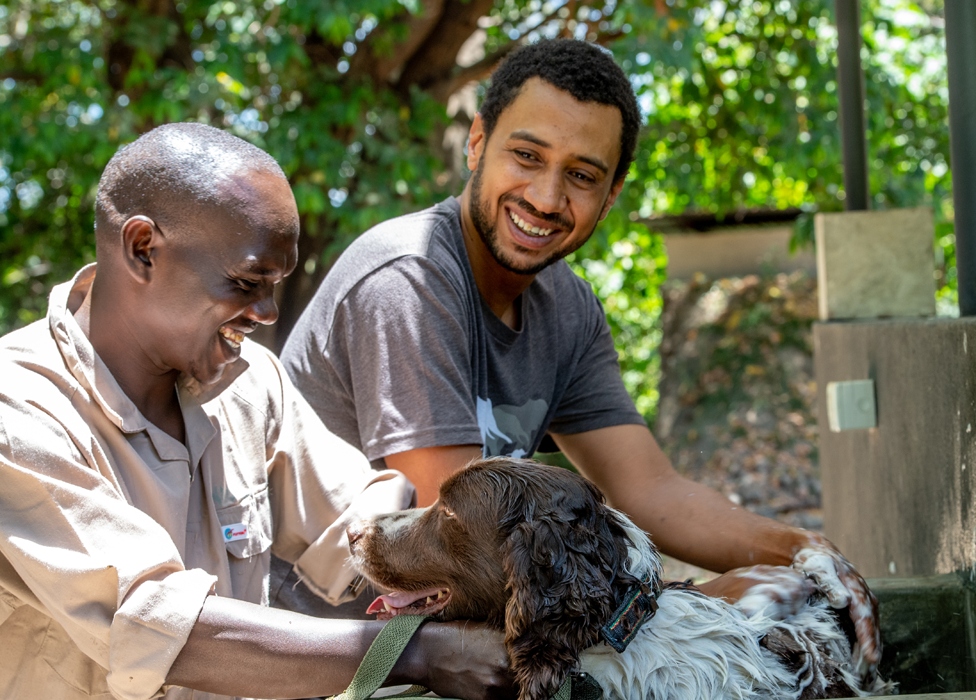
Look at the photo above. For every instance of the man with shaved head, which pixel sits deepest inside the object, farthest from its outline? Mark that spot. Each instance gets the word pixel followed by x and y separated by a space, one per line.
pixel 152 458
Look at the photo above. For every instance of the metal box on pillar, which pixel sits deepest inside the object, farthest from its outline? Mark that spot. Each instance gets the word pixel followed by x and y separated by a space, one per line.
pixel 875 264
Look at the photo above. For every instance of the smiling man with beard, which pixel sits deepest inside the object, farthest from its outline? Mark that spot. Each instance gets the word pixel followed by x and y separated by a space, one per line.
pixel 459 332
pixel 152 458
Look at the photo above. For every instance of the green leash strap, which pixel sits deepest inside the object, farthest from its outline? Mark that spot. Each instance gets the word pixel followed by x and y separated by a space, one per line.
pixel 393 639
pixel 381 657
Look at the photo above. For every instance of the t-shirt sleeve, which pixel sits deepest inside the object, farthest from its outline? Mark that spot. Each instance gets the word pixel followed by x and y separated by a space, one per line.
pixel 398 362
pixel 596 397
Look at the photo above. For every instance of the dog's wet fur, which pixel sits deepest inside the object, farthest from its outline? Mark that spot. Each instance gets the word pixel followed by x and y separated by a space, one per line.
pixel 535 551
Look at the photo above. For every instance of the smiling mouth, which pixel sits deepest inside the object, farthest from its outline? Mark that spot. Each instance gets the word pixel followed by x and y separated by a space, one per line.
pixel 528 229
pixel 426 602
pixel 233 338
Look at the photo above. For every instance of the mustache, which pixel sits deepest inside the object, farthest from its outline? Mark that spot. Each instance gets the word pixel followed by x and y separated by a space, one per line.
pixel 555 219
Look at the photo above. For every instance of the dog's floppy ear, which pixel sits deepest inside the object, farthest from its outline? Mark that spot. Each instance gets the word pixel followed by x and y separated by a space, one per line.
pixel 564 557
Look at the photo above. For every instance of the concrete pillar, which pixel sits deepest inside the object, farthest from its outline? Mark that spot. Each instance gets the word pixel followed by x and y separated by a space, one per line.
pixel 875 264
pixel 899 499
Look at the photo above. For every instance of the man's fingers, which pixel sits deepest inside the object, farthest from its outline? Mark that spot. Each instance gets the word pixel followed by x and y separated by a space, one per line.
pixel 845 588
pixel 822 566
pixel 777 592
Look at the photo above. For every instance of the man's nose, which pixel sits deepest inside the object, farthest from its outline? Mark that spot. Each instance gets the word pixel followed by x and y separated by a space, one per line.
pixel 264 311
pixel 546 192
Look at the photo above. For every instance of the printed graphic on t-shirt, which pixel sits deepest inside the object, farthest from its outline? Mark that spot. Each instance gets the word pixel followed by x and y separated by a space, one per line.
pixel 510 430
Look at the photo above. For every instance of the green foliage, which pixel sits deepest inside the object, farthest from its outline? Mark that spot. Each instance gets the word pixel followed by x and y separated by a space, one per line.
pixel 88 78
pixel 626 266
pixel 744 113
pixel 351 97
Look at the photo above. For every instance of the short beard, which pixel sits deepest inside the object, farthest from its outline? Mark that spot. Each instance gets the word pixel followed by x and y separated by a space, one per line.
pixel 480 213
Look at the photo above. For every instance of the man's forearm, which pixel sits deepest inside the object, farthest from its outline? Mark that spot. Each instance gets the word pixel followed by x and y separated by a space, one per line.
pixel 243 649
pixel 239 648
pixel 686 520
pixel 702 527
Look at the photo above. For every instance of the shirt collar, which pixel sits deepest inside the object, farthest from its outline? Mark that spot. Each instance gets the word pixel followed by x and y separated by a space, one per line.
pixel 84 364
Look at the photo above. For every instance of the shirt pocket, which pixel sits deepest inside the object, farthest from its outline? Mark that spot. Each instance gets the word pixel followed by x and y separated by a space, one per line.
pixel 74 674
pixel 252 512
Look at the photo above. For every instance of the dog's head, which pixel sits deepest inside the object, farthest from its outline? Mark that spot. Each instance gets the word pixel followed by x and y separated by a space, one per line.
pixel 518 544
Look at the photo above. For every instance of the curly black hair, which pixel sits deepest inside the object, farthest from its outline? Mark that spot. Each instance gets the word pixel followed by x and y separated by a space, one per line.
pixel 584 70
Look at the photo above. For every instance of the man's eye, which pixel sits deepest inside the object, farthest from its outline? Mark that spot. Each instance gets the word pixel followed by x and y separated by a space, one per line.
pixel 583 177
pixel 245 285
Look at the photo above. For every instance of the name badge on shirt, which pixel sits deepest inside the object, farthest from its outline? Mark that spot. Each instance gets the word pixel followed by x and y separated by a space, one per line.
pixel 237 531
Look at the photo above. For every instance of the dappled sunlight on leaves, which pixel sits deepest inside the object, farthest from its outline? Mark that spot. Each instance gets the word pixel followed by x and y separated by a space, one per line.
pixel 740 99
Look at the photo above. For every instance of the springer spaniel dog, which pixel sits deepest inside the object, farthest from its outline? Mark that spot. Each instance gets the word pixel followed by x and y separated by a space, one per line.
pixel 534 550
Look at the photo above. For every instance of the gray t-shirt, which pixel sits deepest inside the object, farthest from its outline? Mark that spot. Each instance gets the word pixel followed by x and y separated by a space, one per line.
pixel 398 351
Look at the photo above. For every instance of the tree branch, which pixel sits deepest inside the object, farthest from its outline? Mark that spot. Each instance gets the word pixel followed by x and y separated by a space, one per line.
pixel 604 38
pixel 477 71
pixel 571 9
pixel 22 76
pixel 436 58
pixel 319 52
pixel 483 68
pixel 384 68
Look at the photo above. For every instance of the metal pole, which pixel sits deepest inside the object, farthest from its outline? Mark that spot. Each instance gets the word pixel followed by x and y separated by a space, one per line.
pixel 960 24
pixel 850 89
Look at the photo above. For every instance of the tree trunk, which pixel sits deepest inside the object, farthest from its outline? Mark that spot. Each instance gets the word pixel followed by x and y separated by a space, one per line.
pixel 298 288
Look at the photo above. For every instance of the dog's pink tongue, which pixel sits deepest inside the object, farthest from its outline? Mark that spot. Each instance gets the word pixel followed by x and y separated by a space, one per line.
pixel 399 599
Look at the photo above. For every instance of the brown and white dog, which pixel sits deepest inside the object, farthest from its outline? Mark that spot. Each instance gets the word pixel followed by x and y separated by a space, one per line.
pixel 535 551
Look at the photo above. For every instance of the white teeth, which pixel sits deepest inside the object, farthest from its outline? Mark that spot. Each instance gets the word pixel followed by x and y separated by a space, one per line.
pixel 388 607
pixel 233 338
pixel 429 601
pixel 440 594
pixel 526 228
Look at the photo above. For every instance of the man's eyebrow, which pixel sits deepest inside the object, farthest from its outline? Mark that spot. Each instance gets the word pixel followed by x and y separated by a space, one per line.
pixel 523 135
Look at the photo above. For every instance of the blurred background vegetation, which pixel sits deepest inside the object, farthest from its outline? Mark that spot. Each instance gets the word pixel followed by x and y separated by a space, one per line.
pixel 366 104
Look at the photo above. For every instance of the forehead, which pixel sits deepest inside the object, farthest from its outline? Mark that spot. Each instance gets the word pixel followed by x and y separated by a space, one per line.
pixel 253 223
pixel 567 125
pixel 265 198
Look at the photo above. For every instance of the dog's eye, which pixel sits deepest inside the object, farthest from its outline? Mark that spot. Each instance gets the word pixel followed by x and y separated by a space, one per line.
pixel 447 512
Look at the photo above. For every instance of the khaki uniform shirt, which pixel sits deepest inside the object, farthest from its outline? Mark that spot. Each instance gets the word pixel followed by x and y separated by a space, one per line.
pixel 112 533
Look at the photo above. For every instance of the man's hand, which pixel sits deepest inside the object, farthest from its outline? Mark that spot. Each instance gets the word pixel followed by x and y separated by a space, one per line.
pixel 775 591
pixel 837 579
pixel 465 660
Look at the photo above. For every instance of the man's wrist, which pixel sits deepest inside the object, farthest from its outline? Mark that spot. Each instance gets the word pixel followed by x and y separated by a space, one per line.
pixel 413 667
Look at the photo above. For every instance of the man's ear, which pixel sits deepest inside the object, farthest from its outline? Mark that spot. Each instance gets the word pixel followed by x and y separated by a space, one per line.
pixel 614 193
pixel 140 237
pixel 476 142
